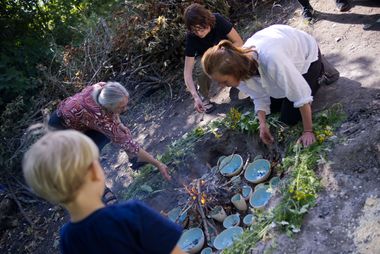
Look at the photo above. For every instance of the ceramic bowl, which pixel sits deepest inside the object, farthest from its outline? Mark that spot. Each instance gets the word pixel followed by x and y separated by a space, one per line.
pixel 274 182
pixel 174 214
pixel 248 219
pixel 246 192
pixel 257 171
pixel 231 165
pixel 232 220
pixel 218 213
pixel 192 240
pixel 227 237
pixel 239 202
pixel 260 197
pixel 207 250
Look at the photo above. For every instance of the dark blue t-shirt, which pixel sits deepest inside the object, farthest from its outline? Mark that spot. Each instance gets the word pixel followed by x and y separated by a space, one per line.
pixel 129 227
pixel 196 46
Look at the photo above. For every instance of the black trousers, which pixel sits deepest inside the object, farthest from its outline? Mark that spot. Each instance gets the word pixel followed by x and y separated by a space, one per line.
pixel 99 138
pixel 288 113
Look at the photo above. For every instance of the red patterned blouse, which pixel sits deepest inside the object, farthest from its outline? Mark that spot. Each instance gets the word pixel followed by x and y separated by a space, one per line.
pixel 81 112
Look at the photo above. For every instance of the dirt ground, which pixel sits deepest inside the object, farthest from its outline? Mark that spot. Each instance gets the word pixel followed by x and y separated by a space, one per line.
pixel 346 217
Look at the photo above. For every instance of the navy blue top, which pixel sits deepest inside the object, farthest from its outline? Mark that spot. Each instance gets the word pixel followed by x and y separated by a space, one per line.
pixel 130 227
pixel 196 46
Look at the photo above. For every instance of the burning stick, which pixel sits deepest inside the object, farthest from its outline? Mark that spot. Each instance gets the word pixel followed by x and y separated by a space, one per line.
pixel 204 220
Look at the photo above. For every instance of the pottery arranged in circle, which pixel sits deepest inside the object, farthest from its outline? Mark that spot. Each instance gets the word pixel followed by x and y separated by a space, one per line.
pixel 257 171
pixel 260 197
pixel 207 250
pixel 218 213
pixel 227 237
pixel 246 192
pixel 239 202
pixel 232 220
pixel 274 182
pixel 192 240
pixel 248 219
pixel 174 214
pixel 231 165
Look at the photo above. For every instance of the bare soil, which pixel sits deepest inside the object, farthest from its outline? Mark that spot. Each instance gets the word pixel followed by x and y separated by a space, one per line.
pixel 346 217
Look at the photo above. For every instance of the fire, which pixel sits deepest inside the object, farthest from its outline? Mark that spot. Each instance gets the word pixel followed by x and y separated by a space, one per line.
pixel 203 199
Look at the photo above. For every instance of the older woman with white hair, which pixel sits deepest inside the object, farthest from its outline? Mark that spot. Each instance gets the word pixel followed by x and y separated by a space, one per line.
pixel 95 111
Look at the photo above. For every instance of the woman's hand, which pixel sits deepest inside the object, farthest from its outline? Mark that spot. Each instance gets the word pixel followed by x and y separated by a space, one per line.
pixel 265 135
pixel 307 138
pixel 164 171
pixel 198 104
pixel 146 157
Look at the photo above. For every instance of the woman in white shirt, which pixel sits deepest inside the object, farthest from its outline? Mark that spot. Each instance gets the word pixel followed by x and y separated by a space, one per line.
pixel 279 67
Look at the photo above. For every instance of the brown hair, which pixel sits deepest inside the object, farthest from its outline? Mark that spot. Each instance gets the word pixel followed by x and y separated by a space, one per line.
pixel 198 15
pixel 226 59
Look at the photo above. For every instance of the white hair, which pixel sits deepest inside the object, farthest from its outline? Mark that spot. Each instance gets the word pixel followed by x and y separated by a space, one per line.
pixel 110 95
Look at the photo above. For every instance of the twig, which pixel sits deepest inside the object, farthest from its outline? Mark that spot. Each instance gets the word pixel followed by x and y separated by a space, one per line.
pixel 204 220
pixel 20 206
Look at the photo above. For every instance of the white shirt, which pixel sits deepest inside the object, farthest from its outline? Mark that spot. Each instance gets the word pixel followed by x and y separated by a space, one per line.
pixel 284 55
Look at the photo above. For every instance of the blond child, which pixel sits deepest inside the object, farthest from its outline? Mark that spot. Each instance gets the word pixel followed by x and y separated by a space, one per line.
pixel 63 167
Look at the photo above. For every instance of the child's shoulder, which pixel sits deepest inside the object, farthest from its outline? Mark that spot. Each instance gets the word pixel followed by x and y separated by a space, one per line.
pixel 126 208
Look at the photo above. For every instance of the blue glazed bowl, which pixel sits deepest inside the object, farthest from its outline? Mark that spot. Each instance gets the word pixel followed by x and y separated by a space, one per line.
pixel 246 192
pixel 192 240
pixel 227 237
pixel 232 220
pixel 248 219
pixel 274 182
pixel 207 250
pixel 260 197
pixel 257 171
pixel 231 165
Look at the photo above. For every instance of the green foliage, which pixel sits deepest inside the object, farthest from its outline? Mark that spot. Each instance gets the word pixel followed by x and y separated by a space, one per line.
pixel 174 157
pixel 252 235
pixel 248 122
pixel 300 191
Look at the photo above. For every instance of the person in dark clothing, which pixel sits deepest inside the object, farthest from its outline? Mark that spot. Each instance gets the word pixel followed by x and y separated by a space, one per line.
pixel 205 29
pixel 307 10
pixel 63 167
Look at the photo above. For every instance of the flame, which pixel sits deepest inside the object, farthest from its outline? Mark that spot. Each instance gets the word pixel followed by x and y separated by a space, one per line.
pixel 203 200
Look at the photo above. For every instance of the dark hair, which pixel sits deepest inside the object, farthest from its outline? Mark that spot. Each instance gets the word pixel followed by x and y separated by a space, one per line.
pixel 226 59
pixel 198 15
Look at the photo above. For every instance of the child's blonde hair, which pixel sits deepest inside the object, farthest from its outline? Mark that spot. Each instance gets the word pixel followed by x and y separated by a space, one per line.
pixel 55 166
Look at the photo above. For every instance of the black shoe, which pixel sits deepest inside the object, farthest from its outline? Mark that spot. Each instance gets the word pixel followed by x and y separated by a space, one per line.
pixel 343 5
pixel 307 13
pixel 330 73
pixel 326 80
